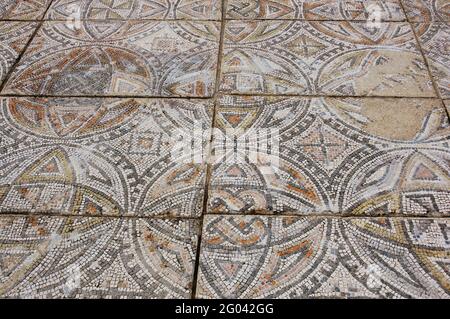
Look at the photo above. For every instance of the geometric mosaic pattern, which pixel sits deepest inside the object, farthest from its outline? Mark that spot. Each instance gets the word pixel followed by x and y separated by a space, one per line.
pixel 56 257
pixel 434 39
pixel 13 38
pixel 317 57
pixel 23 10
pixel 427 10
pixel 353 10
pixel 289 257
pixel 131 57
pixel 98 200
pixel 337 155
pixel 99 157
pixel 136 9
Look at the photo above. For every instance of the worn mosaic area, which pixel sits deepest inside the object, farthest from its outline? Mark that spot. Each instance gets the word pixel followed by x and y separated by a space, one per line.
pixel 151 58
pixel 136 9
pixel 23 10
pixel 390 10
pixel 55 257
pixel 224 149
pixel 13 38
pixel 285 257
pixel 99 157
pixel 427 10
pixel 434 39
pixel 337 58
pixel 336 155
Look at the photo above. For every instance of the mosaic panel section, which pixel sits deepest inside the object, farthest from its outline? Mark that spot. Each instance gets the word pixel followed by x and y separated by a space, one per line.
pixel 136 9
pixel 342 156
pixel 23 10
pixel 101 156
pixel 427 10
pixel 13 38
pixel 285 257
pixel 323 58
pixel 55 257
pixel 376 10
pixel 144 58
pixel 447 105
pixel 434 40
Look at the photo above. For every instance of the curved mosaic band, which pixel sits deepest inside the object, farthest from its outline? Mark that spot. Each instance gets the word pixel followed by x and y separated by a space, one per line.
pixel 132 57
pixel 287 257
pixel 340 156
pixel 100 156
pixel 55 257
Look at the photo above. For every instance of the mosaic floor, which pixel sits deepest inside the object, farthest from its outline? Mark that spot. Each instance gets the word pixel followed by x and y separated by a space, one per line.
pixel 127 149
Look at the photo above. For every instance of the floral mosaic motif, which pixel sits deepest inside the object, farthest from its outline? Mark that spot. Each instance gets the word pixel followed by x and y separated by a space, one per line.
pixel 434 40
pixel 23 10
pixel 99 156
pixel 323 58
pixel 136 9
pixel 286 257
pixel 151 58
pixel 427 10
pixel 336 156
pixel 56 257
pixel 390 10
pixel 13 38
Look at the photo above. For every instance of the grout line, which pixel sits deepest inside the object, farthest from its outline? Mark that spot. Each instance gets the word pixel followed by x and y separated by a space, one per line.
pixel 48 8
pixel 313 20
pixel 104 96
pixel 226 20
pixel 325 95
pixel 425 59
pixel 201 20
pixel 106 216
pixel 231 215
pixel 209 165
pixel 427 65
pixel 220 93
pixel 196 267
pixel 16 62
pixel 446 109
pixel 404 10
pixel 118 20
pixel 329 215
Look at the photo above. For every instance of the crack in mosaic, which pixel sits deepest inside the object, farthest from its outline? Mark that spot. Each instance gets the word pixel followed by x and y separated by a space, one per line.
pixel 323 58
pixel 13 39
